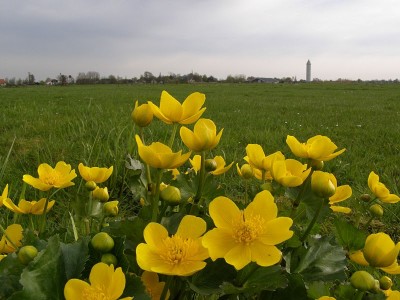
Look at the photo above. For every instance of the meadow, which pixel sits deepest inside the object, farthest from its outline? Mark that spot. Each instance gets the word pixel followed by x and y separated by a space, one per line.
pixel 92 124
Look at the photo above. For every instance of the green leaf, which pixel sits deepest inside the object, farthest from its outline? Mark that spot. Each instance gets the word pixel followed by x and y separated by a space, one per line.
pixel 134 287
pixel 10 272
pixel 209 280
pixel 294 290
pixel 348 236
pixel 262 279
pixel 44 278
pixel 321 261
pixel 75 256
pixel 318 289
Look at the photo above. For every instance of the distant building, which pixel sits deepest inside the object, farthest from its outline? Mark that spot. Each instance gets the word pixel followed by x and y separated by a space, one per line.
pixel 262 80
pixel 308 71
pixel 3 82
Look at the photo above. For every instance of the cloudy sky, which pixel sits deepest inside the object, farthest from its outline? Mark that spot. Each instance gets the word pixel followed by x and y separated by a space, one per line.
pixel 342 38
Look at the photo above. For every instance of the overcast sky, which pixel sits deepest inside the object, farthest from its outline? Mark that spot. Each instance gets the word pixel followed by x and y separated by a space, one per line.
pixel 342 38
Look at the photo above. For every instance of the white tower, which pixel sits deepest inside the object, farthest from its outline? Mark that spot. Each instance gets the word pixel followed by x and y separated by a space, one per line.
pixel 308 72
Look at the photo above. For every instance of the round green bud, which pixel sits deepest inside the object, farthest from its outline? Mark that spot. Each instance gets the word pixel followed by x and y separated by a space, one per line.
pixel 110 209
pixel 385 283
pixel 210 165
pixel 109 259
pixel 246 171
pixel 317 164
pixel 102 242
pixel 365 197
pixel 90 185
pixel 171 195
pixel 26 254
pixel 267 186
pixel 376 210
pixel 362 281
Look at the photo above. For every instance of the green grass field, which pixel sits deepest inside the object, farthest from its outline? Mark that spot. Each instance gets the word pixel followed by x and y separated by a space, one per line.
pixel 92 124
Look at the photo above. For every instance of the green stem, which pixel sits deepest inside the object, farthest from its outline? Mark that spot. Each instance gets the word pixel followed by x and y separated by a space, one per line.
pixel 166 287
pixel 201 177
pixel 173 134
pixel 156 197
pixel 148 174
pixel 312 223
pixel 296 202
pixel 246 197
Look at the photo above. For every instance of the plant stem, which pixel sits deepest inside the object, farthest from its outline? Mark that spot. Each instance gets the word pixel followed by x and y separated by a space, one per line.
pixel 201 178
pixel 173 134
pixel 312 223
pixel 148 174
pixel 296 202
pixel 154 204
pixel 166 287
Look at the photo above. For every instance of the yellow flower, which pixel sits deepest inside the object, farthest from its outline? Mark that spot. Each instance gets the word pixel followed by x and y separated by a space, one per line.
pixel 60 177
pixel 342 193
pixel 142 115
pixel 171 111
pixel 221 168
pixel 289 172
pixel 181 254
pixel 326 298
pixel 245 171
pixel 257 158
pixel 393 295
pixel 153 286
pixel 14 233
pixel 380 190
pixel 318 147
pixel 243 236
pixel 110 209
pixel 95 174
pixel 203 137
pixel 160 156
pixel 101 194
pixel 29 207
pixel 105 283
pixel 4 195
pixel 379 251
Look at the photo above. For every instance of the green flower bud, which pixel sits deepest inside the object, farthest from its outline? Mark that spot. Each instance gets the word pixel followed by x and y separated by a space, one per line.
pixel 385 283
pixel 267 186
pixel 26 254
pixel 246 171
pixel 90 185
pixel 376 210
pixel 102 242
pixel 142 115
pixel 317 164
pixel 365 197
pixel 110 209
pixel 210 165
pixel 171 195
pixel 101 194
pixel 362 281
pixel 109 259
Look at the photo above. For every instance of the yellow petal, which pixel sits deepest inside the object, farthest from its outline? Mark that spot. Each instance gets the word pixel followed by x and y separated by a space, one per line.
pixel 170 107
pixel 117 284
pixel 158 113
pixel 264 255
pixel 320 148
pixel 191 107
pixel 340 209
pixel 154 234
pixel 391 198
pixel 178 160
pixel 37 208
pixel 342 193
pixel 277 231
pixel 296 147
pixel 263 205
pixel 223 210
pixel 36 183
pixel 255 155
pixel 393 269
pixel 11 206
pixel 191 227
pixel 239 256
pixel 196 163
pixel 190 139
pixel 218 242
pixel 74 288
pixel 193 118
pixel 358 257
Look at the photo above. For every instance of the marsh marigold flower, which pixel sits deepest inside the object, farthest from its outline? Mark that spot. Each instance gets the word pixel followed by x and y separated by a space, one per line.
pixel 14 233
pixel 105 283
pixel 153 286
pixel 60 177
pixel 203 137
pixel 160 156
pixel 142 115
pixel 318 147
pixel 220 169
pixel 380 252
pixel 29 207
pixel 95 174
pixel 181 254
pixel 257 158
pixel 249 235
pixel 380 190
pixel 289 172
pixel 172 111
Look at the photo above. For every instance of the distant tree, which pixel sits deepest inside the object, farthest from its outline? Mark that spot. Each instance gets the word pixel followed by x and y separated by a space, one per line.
pixel 31 78
pixel 62 79
pixel 112 79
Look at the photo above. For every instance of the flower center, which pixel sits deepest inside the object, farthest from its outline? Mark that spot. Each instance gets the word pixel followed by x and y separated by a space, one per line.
pixel 176 249
pixel 52 178
pixel 91 293
pixel 246 230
